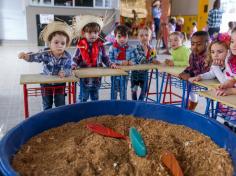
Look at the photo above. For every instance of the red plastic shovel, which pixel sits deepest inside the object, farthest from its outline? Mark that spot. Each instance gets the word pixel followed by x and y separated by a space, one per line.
pixel 171 163
pixel 100 129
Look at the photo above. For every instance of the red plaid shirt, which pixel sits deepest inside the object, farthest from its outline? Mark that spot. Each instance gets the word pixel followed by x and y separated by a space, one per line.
pixel 197 64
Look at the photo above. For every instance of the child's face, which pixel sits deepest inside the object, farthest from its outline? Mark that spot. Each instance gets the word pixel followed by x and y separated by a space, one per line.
pixel 233 43
pixel 91 36
pixel 121 40
pixel 58 44
pixel 175 41
pixel 218 51
pixel 144 37
pixel 198 44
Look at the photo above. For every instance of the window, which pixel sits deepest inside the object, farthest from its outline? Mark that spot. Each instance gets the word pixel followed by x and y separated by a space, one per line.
pixel 84 3
pixel 102 3
pixel 107 3
pixel 98 3
pixel 63 2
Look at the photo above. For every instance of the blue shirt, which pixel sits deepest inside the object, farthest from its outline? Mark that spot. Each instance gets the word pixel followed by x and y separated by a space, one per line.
pixel 156 12
pixel 51 64
pixel 114 52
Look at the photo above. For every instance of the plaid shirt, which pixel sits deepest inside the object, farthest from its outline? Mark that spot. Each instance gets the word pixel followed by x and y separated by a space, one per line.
pixel 114 52
pixel 141 58
pixel 214 18
pixel 51 64
pixel 197 64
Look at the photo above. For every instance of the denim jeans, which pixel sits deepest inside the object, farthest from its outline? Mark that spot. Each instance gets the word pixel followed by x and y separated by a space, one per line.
pixel 118 88
pixel 57 93
pixel 211 31
pixel 139 79
pixel 91 92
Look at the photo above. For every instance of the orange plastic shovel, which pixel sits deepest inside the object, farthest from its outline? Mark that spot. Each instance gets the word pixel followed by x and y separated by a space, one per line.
pixel 100 129
pixel 171 163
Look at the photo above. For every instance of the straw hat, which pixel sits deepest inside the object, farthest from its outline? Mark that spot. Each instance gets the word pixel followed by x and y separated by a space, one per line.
pixel 80 22
pixel 54 27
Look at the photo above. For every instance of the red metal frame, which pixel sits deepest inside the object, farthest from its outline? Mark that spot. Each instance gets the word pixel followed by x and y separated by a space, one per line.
pixel 170 93
pixel 37 91
pixel 166 92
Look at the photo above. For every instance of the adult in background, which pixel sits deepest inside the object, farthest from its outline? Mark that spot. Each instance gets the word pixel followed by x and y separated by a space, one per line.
pixel 156 14
pixel 214 18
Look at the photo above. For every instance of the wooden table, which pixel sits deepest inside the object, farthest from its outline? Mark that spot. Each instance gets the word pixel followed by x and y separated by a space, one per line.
pixel 175 71
pixel 226 100
pixel 138 67
pixel 100 72
pixel 26 79
pixel 209 84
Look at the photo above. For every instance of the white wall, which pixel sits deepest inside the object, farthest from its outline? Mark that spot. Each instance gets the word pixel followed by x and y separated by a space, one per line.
pixel 184 7
pixel 13 20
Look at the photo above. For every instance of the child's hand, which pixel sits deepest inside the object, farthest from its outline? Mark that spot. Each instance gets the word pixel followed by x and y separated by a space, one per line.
pixel 114 66
pixel 169 62
pixel 73 67
pixel 125 62
pixel 227 84
pixel 156 62
pixel 225 92
pixel 219 62
pixel 23 55
pixel 195 79
pixel 61 74
pixel 130 63
pixel 184 76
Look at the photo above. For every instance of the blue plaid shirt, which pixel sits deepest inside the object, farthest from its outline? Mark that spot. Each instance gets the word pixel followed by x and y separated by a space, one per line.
pixel 51 64
pixel 140 57
pixel 114 52
pixel 215 18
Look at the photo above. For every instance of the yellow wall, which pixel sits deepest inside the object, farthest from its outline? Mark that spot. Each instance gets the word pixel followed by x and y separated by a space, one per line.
pixel 203 6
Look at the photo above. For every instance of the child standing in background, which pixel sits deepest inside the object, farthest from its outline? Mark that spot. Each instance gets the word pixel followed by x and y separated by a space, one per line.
pixel 179 24
pixel 218 49
pixel 179 52
pixel 144 53
pixel 172 25
pixel 121 53
pixel 90 52
pixel 197 62
pixel 56 61
pixel 156 14
pixel 194 28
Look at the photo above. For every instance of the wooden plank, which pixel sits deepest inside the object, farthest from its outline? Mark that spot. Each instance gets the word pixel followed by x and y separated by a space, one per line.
pixel 98 72
pixel 175 71
pixel 138 67
pixel 209 84
pixel 44 79
pixel 226 100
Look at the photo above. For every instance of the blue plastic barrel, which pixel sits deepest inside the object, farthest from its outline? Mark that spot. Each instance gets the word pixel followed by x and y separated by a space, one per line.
pixel 19 135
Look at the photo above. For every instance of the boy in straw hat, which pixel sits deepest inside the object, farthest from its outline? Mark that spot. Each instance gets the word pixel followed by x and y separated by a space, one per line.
pixel 90 52
pixel 56 61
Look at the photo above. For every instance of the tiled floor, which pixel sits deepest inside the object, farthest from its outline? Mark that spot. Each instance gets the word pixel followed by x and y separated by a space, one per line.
pixel 11 92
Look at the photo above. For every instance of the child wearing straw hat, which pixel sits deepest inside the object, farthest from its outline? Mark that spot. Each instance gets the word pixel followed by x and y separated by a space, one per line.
pixel 90 52
pixel 56 61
